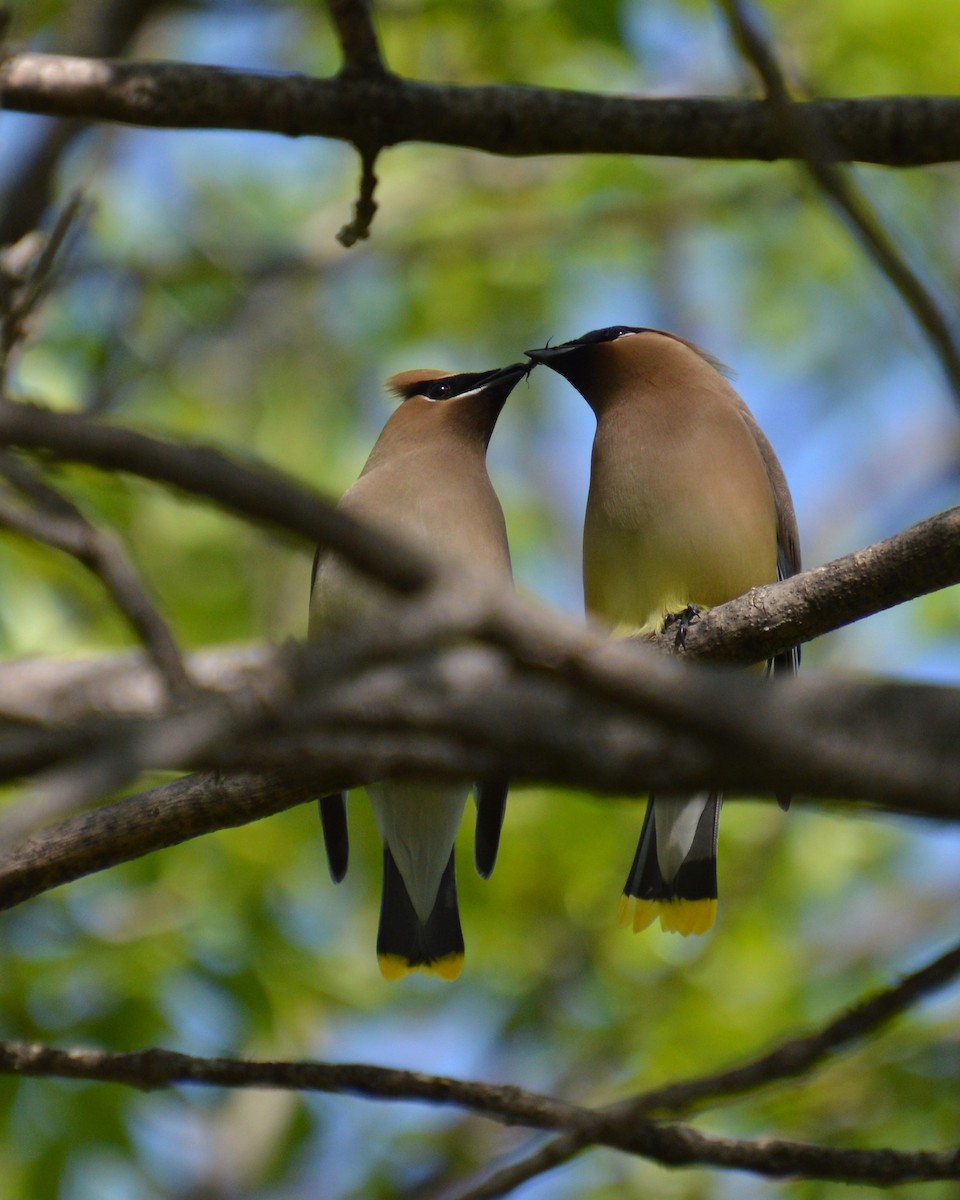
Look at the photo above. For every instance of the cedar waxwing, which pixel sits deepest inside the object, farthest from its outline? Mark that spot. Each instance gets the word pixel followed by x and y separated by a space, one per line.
pixel 425 480
pixel 687 505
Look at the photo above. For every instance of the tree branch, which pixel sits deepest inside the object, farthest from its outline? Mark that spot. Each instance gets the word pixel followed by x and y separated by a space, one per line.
pixel 509 120
pixel 138 825
pixel 103 29
pixel 768 620
pixel 57 522
pixel 353 21
pixel 799 1055
pixel 671 1145
pixel 791 1059
pixel 469 712
pixel 260 494
pixel 365 208
pixel 813 147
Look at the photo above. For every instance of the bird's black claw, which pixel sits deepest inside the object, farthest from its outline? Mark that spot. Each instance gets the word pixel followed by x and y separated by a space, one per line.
pixel 683 621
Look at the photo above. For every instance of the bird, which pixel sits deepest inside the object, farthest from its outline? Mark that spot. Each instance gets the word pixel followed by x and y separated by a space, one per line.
pixel 687 507
pixel 425 481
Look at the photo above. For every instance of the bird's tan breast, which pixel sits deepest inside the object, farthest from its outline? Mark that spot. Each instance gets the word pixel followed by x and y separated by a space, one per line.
pixel 444 505
pixel 680 511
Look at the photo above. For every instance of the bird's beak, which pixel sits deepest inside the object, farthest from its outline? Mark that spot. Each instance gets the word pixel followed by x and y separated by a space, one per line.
pixel 511 374
pixel 545 354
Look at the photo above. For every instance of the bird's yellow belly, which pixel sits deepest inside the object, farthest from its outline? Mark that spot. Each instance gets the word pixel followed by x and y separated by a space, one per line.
pixel 635 577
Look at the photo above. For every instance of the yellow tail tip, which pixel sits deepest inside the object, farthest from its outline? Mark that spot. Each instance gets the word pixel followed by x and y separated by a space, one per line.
pixel 394 966
pixel 676 916
pixel 448 967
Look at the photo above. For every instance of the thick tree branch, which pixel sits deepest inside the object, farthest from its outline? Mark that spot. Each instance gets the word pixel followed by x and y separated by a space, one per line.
pixel 469 712
pixel 812 146
pixel 509 120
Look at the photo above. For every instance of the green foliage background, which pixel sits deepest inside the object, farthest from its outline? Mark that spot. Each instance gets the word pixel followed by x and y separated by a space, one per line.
pixel 209 298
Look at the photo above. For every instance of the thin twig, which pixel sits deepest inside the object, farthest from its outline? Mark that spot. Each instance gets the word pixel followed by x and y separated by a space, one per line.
pixel 103 28
pixel 671 1145
pixel 800 1055
pixel 366 206
pixel 23 301
pixel 552 1154
pixel 59 523
pixel 810 140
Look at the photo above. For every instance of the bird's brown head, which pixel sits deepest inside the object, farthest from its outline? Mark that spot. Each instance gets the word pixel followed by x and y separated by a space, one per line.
pixel 469 402
pixel 600 364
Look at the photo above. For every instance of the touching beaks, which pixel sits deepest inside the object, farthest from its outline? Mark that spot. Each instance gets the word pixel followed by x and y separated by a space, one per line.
pixel 543 353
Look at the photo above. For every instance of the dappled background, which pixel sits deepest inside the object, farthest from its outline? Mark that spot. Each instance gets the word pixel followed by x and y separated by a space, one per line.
pixel 207 296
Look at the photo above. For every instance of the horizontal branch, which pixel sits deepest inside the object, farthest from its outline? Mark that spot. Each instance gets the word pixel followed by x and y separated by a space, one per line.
pixel 154 1068
pixel 470 712
pixel 671 1145
pixel 374 110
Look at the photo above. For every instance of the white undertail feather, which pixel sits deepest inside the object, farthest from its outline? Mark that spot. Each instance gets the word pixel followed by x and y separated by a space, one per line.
pixel 419 822
pixel 676 819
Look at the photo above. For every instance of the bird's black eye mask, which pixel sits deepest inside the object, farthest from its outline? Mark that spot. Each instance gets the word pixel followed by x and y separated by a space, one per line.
pixel 449 386
pixel 608 334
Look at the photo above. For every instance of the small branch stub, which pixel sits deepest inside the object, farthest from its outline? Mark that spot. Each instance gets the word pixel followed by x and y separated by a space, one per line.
pixel 366 206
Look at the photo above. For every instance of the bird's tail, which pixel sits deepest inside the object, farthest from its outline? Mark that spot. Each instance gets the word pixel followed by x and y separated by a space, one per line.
pixel 674 872
pixel 405 943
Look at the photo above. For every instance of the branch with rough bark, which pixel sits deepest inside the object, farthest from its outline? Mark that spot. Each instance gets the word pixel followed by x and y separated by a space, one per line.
pixel 898 131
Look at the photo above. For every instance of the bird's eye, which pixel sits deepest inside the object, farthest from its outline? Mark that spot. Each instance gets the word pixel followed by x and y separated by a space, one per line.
pixel 440 390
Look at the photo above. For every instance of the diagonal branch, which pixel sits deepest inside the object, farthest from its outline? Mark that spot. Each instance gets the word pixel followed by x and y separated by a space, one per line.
pixel 22 297
pixel 791 1059
pixel 767 620
pixel 811 145
pixel 799 1055
pixel 59 523
pixel 259 494
pixel 510 120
